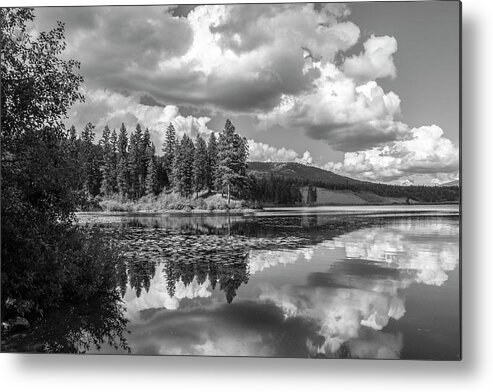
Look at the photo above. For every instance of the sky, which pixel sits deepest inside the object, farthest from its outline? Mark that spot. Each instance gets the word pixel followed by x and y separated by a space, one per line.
pixel 367 90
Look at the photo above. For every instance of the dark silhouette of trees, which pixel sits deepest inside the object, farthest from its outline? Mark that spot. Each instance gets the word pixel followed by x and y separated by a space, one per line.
pixel 107 164
pixel 46 259
pixel 200 165
pixel 90 155
pixel 123 165
pixel 211 171
pixel 169 152
pixel 152 182
pixel 122 168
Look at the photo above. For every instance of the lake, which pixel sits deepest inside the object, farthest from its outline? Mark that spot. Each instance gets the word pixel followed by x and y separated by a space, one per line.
pixel 324 282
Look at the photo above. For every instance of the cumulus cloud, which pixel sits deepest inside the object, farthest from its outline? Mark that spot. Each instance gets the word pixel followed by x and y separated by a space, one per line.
pixel 233 57
pixel 111 41
pixel 346 115
pixel 424 151
pixel 306 159
pixel 279 64
pixel 265 153
pixel 104 107
pixel 375 62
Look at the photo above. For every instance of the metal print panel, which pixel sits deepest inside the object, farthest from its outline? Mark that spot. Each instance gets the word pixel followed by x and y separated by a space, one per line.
pixel 268 180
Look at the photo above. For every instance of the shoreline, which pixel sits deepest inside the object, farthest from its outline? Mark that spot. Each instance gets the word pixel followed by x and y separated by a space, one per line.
pixel 244 211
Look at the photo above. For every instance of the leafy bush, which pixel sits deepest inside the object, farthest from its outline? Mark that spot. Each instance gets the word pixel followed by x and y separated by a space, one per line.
pixel 69 264
pixel 113 205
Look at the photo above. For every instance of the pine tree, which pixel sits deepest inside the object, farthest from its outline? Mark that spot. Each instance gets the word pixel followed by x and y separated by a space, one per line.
pixel 133 167
pixel 105 143
pixel 200 165
pixel 145 151
pixel 211 163
pixel 162 177
pixel 75 152
pixel 122 141
pixel 183 168
pixel 122 169
pixel 152 185
pixel 232 157
pixel 175 172
pixel 87 158
pixel 114 162
pixel 138 181
pixel 188 159
pixel 169 150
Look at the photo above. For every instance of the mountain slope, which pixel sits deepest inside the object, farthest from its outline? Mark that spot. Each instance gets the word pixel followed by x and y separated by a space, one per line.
pixel 452 183
pixel 336 189
pixel 300 171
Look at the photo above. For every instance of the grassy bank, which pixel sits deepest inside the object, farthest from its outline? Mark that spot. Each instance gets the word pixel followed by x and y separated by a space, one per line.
pixel 173 202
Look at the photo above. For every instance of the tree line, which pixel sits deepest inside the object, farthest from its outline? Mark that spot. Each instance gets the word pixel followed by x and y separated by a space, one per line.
pixel 419 193
pixel 127 165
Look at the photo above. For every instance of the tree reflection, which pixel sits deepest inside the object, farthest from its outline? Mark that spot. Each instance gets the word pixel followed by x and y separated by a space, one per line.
pixel 225 267
pixel 140 275
pixel 229 270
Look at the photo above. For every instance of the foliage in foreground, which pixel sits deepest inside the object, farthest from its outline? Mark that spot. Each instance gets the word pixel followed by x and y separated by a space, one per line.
pixel 68 265
pixel 46 260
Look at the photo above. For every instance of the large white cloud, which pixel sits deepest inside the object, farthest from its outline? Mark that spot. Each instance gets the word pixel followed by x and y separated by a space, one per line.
pixel 104 107
pixel 229 57
pixel 347 115
pixel 375 62
pixel 281 64
pixel 424 150
pixel 266 153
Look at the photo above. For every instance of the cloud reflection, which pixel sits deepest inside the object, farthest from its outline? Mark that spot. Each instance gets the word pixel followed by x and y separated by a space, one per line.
pixel 338 305
pixel 158 296
pixel 362 291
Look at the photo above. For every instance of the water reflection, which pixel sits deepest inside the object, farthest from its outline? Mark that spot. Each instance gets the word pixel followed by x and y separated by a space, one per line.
pixel 340 306
pixel 279 286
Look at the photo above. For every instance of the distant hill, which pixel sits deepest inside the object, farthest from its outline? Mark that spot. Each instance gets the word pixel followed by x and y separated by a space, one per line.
pixel 300 171
pixel 334 189
pixel 452 183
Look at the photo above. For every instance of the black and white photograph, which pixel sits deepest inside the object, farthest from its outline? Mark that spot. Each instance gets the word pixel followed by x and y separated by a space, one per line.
pixel 276 180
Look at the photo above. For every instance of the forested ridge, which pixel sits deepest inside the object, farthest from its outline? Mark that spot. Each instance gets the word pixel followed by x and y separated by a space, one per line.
pixel 127 166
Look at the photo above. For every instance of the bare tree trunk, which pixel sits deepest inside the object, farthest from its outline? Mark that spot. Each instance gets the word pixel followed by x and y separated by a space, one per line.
pixel 229 195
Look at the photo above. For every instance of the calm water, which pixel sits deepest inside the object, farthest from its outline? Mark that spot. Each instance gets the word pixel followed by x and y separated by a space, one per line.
pixel 373 282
